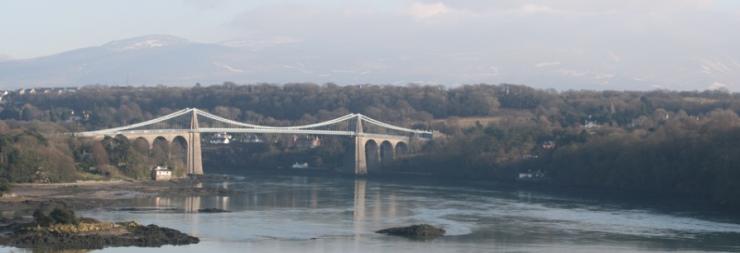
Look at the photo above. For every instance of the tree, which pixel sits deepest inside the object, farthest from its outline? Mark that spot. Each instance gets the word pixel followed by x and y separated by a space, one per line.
pixel 4 186
pixel 99 154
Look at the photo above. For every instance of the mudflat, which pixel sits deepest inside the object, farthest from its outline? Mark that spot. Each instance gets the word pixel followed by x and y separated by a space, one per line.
pixel 81 195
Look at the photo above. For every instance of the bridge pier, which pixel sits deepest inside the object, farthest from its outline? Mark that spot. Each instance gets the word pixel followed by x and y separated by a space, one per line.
pixel 360 156
pixel 195 161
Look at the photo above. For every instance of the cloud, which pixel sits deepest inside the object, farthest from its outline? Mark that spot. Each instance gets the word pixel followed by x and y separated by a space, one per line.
pixel 257 44
pixel 580 6
pixel 537 8
pixel 228 67
pixel 572 72
pixel 657 86
pixel 547 64
pixel 717 86
pixel 603 76
pixel 206 5
pixel 426 10
pixel 493 70
pixel 4 57
pixel 714 66
pixel 614 57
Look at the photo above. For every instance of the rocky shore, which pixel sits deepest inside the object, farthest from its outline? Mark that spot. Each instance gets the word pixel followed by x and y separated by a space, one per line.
pixel 28 218
pixel 55 226
pixel 95 235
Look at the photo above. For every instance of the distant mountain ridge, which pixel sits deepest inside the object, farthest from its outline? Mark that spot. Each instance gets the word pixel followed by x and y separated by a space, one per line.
pixel 145 42
pixel 175 61
pixel 151 59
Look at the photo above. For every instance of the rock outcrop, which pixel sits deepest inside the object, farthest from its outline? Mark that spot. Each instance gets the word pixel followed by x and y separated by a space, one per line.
pixel 421 231
pixel 58 228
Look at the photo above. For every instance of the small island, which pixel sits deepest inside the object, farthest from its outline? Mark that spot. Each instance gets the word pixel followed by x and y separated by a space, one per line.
pixel 55 226
pixel 417 232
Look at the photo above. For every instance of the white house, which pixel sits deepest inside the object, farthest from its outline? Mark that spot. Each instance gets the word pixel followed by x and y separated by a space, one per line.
pixel 221 138
pixel 161 173
pixel 297 165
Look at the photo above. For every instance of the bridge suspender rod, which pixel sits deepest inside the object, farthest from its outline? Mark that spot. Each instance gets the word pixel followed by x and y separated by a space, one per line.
pixel 381 124
pixel 145 123
pixel 224 120
pixel 233 122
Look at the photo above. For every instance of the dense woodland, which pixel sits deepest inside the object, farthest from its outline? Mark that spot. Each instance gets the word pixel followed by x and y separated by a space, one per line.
pixel 661 142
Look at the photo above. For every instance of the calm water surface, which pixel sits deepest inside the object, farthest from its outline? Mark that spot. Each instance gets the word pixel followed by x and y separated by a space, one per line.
pixel 307 214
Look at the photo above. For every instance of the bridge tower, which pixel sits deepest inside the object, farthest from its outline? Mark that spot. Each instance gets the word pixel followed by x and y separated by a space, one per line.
pixel 195 161
pixel 360 155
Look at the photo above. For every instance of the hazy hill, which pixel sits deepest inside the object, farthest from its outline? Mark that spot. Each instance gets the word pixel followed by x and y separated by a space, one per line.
pixel 149 60
pixel 164 59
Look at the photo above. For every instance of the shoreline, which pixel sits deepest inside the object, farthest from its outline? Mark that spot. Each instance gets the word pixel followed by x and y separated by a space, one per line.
pixel 82 195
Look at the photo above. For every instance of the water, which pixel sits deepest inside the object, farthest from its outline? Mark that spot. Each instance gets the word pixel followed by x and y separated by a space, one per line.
pixel 308 214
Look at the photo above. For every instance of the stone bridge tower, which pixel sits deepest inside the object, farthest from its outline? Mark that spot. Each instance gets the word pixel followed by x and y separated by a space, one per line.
pixel 360 155
pixel 195 161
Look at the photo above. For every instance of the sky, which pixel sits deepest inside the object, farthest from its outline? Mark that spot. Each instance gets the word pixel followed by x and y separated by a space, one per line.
pixel 677 44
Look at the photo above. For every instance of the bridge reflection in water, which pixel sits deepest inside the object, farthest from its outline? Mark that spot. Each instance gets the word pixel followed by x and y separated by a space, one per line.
pixel 370 206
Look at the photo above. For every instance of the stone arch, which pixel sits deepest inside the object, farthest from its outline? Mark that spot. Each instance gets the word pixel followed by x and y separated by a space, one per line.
pixel 121 144
pixel 179 153
pixel 386 152
pixel 121 138
pixel 401 149
pixel 161 140
pixel 160 150
pixel 180 140
pixel 371 154
pixel 142 145
pixel 110 141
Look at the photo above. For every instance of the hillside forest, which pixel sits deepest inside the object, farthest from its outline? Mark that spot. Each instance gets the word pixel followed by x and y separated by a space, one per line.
pixel 658 142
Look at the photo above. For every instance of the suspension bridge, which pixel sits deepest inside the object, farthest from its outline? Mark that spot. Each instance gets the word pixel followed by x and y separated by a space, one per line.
pixel 374 141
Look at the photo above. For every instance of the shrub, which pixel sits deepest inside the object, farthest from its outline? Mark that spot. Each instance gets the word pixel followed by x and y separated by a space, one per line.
pixel 54 213
pixel 63 216
pixel 4 186
pixel 41 218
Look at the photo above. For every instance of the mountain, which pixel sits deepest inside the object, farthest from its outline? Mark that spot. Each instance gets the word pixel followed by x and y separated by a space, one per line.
pixel 170 60
pixel 149 59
